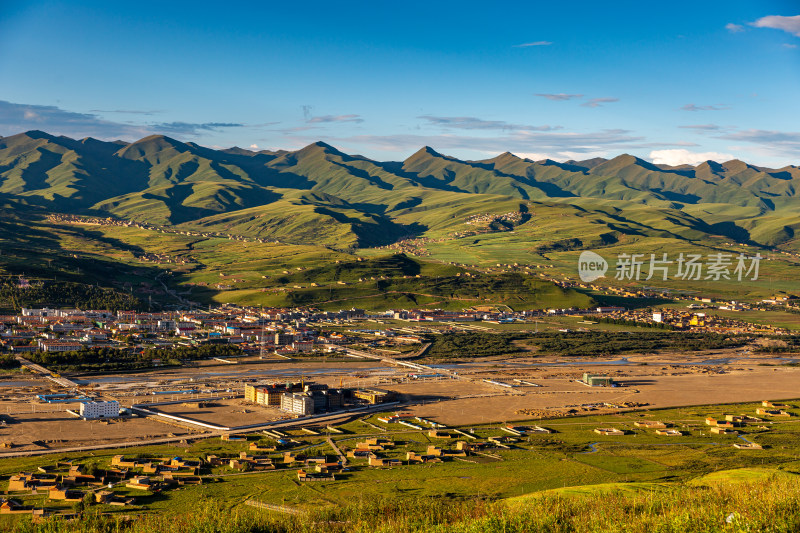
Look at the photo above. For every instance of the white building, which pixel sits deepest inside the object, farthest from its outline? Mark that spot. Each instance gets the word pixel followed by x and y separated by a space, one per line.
pixel 108 409
pixel 60 346
pixel 297 404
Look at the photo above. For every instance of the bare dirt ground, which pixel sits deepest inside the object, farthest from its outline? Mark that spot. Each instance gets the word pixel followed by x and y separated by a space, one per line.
pixel 52 429
pixel 663 380
pixel 230 413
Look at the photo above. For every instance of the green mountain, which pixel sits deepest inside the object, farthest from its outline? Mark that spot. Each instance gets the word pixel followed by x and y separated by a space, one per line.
pixel 320 195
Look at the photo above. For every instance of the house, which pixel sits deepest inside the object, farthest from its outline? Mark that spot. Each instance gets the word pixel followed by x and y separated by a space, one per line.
pixel 60 493
pixel 436 434
pixel 13 507
pixel 470 446
pixel 669 432
pixel 723 431
pixel 435 451
pixel 359 453
pixel 710 421
pixel 214 460
pixel 650 424
pixel 119 460
pixel 609 432
pixel 381 461
pixel 254 447
pixel 302 475
pixel 772 412
pixel 422 458
pixel 140 483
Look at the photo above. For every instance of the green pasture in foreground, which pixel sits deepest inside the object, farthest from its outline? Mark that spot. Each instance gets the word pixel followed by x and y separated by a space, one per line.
pixel 571 456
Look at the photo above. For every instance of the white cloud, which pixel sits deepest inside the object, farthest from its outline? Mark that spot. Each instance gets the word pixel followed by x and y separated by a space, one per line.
pixel 787 45
pixel 533 156
pixel 681 156
pixel 535 43
pixel 734 28
pixel 787 24
pixel 254 147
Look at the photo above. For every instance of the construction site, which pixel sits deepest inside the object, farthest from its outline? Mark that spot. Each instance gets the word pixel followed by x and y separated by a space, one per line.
pixel 40 415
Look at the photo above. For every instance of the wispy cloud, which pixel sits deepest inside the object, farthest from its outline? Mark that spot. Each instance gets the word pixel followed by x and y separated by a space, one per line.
pixel 734 28
pixel 335 118
pixel 681 156
pixel 592 102
pixel 787 45
pixel 789 140
pixel 192 128
pixel 693 107
pixel 778 22
pixel 15 118
pixel 126 111
pixel 474 123
pixel 559 97
pixel 597 102
pixel 702 127
pixel 534 43
pixel 520 141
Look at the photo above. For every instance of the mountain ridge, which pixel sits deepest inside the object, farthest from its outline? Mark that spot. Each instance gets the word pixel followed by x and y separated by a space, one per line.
pixel 353 201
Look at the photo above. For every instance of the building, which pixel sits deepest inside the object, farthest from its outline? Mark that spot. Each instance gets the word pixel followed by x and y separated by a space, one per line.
pixel 650 424
pixel 609 432
pixel 297 404
pixel 108 409
pixel 282 339
pixel 60 346
pixel 269 394
pixel 597 381
pixel 374 396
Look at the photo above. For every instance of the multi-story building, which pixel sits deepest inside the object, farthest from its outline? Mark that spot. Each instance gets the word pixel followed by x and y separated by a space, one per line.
pixel 109 409
pixel 297 404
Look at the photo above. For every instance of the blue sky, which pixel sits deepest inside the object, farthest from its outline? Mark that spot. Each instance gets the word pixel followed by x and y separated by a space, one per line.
pixel 677 82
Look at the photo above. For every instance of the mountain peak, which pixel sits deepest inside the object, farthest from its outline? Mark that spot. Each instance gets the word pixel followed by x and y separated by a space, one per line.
pixel 623 161
pixel 38 134
pixel 149 146
pixel 318 147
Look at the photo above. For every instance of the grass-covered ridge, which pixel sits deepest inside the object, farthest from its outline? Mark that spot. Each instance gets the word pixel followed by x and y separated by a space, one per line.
pixel 766 502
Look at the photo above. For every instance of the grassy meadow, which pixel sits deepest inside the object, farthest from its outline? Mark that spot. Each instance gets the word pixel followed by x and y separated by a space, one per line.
pixel 572 468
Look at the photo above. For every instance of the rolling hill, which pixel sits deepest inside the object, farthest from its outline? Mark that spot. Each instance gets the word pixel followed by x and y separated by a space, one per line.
pixel 320 195
pixel 505 209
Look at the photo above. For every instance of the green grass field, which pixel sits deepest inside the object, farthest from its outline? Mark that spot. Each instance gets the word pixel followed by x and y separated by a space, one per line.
pixel 570 460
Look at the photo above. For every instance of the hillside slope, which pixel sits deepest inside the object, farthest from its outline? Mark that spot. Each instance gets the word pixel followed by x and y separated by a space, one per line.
pixel 320 195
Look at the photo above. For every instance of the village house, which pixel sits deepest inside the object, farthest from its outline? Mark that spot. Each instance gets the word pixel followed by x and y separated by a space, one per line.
pixel 650 424
pixel 609 432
